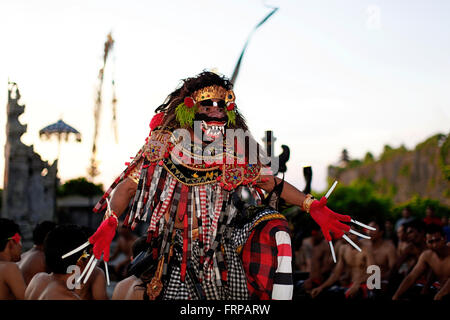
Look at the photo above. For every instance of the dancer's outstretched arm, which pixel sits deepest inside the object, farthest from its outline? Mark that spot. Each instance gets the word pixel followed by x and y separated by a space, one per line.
pixel 122 195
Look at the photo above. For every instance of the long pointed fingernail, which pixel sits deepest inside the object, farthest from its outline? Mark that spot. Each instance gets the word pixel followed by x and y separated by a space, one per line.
pixel 333 254
pixel 107 273
pixel 90 270
pixel 331 189
pixel 86 268
pixel 351 242
pixel 84 245
pixel 359 234
pixel 363 225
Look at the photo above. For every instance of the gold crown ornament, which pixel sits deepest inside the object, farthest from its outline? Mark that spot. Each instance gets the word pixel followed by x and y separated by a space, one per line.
pixel 213 92
pixel 185 111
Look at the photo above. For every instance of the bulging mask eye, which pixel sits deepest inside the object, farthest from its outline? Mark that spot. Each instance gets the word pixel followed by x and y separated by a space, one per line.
pixel 210 103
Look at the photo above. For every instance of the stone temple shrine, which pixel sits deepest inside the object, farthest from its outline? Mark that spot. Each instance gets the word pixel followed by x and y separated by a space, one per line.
pixel 29 182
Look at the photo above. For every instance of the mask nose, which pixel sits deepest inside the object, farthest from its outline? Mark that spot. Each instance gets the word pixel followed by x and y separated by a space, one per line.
pixel 215 111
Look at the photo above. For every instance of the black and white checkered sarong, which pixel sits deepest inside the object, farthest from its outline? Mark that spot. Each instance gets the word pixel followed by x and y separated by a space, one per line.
pixel 234 289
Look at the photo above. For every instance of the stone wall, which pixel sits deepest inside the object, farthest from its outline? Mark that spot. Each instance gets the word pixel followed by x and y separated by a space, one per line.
pixel 423 171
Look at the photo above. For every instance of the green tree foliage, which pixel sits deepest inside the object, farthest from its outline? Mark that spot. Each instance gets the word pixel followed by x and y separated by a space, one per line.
pixel 360 201
pixel 354 163
pixel 418 205
pixel 368 158
pixel 80 186
pixel 389 152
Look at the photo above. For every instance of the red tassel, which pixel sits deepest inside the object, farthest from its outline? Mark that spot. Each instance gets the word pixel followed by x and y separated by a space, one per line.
pixel 156 120
pixel 101 239
pixel 125 221
pixel 182 205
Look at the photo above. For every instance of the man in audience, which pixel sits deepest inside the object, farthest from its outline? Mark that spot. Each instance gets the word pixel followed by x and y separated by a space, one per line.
pixel 415 232
pixel 354 261
pixel 402 239
pixel 389 232
pixel 125 241
pixel 436 258
pixel 132 288
pixel 383 251
pixel 33 260
pixel 12 284
pixel 407 258
pixel 406 217
pixel 95 287
pixel 384 254
pixel 57 285
pixel 321 261
pixel 430 217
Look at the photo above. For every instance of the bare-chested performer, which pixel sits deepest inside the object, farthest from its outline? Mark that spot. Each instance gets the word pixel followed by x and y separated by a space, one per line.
pixel 125 241
pixel 415 233
pixel 303 255
pixel 12 285
pixel 402 240
pixel 321 261
pixel 131 288
pixel 33 260
pixel 57 284
pixel 95 287
pixel 409 254
pixel 436 258
pixel 351 259
pixel 383 251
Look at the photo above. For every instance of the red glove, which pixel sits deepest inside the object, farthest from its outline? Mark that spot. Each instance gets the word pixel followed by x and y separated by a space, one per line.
pixel 101 239
pixel 328 220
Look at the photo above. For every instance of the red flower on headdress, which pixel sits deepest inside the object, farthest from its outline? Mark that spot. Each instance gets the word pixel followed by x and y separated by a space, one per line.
pixel 156 120
pixel 16 238
pixel 189 102
pixel 231 106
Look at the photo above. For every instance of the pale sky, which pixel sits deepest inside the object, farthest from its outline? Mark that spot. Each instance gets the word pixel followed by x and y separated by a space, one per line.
pixel 323 75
